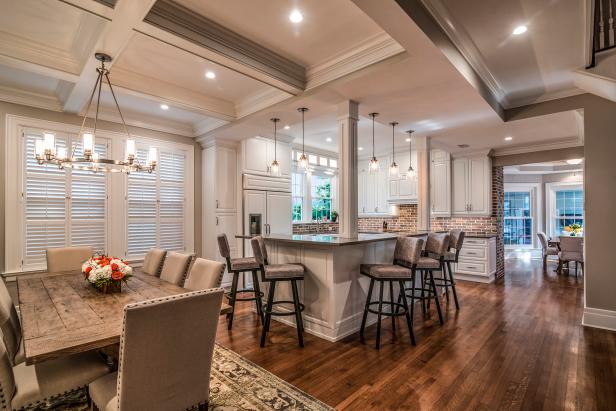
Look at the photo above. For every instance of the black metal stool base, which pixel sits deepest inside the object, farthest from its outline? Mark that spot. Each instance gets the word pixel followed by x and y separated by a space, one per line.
pixel 448 282
pixel 426 293
pixel 268 309
pixel 233 298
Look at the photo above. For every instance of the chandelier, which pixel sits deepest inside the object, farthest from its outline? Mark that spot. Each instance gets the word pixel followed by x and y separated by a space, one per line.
pixel 46 151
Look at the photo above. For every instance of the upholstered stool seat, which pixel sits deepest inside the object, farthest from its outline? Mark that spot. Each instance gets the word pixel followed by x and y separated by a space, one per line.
pixel 385 271
pixel 425 263
pixel 406 255
pixel 274 273
pixel 237 266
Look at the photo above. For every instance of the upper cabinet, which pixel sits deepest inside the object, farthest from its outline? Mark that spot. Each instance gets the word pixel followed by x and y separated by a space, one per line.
pixel 472 186
pixel 401 189
pixel 373 192
pixel 440 183
pixel 259 152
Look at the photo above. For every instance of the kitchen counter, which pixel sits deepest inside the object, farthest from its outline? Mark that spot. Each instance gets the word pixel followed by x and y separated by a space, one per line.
pixel 324 239
pixel 485 235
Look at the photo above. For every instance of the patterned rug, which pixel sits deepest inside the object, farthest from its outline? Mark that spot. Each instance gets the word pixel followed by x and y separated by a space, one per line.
pixel 236 385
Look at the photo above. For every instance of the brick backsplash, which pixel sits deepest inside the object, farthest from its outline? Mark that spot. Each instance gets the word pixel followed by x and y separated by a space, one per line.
pixel 407 221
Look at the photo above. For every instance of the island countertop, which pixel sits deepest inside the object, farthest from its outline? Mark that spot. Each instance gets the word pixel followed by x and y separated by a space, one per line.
pixel 325 239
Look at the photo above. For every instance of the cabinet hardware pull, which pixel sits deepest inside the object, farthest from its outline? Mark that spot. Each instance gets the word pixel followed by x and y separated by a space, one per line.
pixel 216 203
pixel 216 220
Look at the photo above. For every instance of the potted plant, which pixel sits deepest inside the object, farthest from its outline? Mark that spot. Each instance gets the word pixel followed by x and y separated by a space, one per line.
pixel 334 216
pixel 106 274
pixel 574 230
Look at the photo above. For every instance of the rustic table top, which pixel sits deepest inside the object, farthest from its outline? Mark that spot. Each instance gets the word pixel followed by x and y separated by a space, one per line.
pixel 61 314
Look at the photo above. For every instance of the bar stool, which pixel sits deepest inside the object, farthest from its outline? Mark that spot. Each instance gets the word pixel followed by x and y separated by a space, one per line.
pixel 431 260
pixel 406 256
pixel 274 273
pixel 237 266
pixel 456 238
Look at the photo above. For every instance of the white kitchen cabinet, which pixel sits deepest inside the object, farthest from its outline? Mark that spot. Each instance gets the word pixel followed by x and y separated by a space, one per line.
pixel 275 210
pixel 477 260
pixel 401 189
pixel 472 186
pixel 259 152
pixel 373 192
pixel 362 181
pixel 440 184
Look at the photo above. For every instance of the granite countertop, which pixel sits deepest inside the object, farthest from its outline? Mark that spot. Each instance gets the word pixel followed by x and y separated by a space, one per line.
pixel 325 239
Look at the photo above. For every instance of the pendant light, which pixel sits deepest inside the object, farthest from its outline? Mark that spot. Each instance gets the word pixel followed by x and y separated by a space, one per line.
pixel 303 160
pixel 410 173
pixel 393 168
pixel 373 166
pixel 275 167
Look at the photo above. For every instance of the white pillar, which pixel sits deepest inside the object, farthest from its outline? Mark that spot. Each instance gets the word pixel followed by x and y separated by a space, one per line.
pixel 423 182
pixel 347 168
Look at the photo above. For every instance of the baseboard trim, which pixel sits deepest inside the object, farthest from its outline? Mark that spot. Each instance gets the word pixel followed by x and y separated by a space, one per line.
pixel 598 318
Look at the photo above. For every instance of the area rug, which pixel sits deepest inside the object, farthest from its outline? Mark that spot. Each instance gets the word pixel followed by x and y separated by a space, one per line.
pixel 236 385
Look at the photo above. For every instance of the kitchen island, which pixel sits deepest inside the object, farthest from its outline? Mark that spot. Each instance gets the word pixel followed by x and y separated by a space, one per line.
pixel 333 290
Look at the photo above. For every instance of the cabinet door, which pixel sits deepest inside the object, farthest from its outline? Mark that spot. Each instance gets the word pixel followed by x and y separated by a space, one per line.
pixel 362 180
pixel 478 186
pixel 440 189
pixel 256 155
pixel 279 216
pixel 255 202
pixel 371 198
pixel 382 191
pixel 225 224
pixel 284 159
pixel 225 173
pixel 458 184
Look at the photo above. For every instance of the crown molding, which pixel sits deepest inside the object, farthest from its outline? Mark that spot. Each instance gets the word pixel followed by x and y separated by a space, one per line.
pixel 210 141
pixel 29 98
pixel 573 141
pixel 553 95
pixel 184 23
pixel 370 51
pixel 207 125
pixel 259 101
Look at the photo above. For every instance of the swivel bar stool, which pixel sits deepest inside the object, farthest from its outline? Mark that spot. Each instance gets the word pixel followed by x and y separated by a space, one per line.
pixel 237 266
pixel 456 240
pixel 273 274
pixel 406 256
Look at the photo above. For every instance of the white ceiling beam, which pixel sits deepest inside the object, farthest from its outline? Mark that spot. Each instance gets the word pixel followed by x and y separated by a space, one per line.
pixel 38 69
pixel 92 6
pixel 114 38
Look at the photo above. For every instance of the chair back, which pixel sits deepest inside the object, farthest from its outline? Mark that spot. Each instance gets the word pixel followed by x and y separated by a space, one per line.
pixel 9 323
pixel 572 244
pixel 204 274
pixel 153 261
pixel 456 239
pixel 437 244
pixel 543 239
pixel 175 268
pixel 67 258
pixel 259 250
pixel 166 351
pixel 408 251
pixel 7 378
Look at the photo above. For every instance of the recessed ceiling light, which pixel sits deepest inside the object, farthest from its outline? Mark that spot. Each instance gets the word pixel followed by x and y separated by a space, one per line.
pixel 360 148
pixel 210 74
pixel 575 161
pixel 519 30
pixel 164 107
pixel 328 139
pixel 508 138
pixel 287 127
pixel 296 16
pixel 408 140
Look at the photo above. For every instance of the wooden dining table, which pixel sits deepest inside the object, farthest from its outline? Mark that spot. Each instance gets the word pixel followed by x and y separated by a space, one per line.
pixel 61 314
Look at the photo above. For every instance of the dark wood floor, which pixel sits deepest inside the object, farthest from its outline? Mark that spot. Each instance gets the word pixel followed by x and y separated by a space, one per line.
pixel 515 344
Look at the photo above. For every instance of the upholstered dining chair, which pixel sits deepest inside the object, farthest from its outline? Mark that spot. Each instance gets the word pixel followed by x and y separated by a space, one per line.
pixel 67 258
pixel 204 274
pixel 153 261
pixel 546 249
pixel 10 326
pixel 166 350
pixel 571 249
pixel 30 386
pixel 175 267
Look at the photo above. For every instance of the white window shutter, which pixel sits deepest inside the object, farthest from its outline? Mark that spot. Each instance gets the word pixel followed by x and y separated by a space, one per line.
pixel 142 210
pixel 172 207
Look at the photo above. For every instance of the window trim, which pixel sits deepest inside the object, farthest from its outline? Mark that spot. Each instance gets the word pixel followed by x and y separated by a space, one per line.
pixel 551 189
pixel 117 204
pixel 535 209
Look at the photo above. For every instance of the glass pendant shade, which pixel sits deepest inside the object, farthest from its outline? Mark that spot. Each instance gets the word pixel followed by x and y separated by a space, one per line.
pixel 130 149
pixel 275 166
pixel 88 144
pixel 393 169
pixel 410 173
pixel 49 143
pixel 303 160
pixel 373 166
pixel 39 148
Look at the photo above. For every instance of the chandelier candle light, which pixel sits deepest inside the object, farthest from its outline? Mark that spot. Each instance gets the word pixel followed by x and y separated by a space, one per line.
pixel 393 168
pixel 373 166
pixel 275 166
pixel 410 173
pixel 47 153
pixel 303 160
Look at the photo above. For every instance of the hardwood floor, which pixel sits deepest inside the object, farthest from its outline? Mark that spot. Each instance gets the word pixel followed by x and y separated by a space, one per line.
pixel 515 344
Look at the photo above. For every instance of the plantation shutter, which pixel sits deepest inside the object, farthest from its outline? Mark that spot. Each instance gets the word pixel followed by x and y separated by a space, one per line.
pixel 142 209
pixel 172 170
pixel 45 210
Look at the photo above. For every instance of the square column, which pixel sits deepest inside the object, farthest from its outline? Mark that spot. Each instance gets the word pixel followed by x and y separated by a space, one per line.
pixel 422 144
pixel 347 168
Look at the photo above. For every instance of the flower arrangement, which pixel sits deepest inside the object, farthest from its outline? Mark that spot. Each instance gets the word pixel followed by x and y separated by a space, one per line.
pixel 105 273
pixel 574 230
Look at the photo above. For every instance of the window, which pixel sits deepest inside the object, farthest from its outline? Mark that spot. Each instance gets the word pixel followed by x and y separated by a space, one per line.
pixel 61 207
pixel 297 190
pixel 321 194
pixel 569 209
pixel 518 225
pixel 156 205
